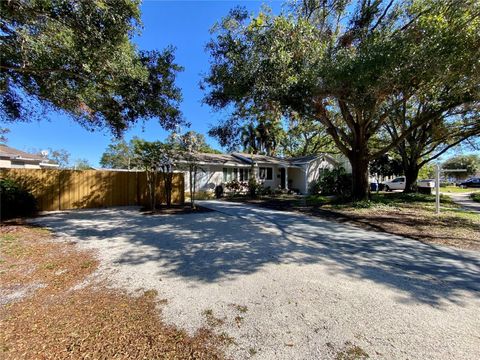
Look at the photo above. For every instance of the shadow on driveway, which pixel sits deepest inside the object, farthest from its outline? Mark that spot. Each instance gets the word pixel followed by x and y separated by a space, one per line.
pixel 213 246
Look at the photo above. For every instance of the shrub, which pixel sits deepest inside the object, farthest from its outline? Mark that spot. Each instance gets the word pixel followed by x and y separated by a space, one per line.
pixel 333 182
pixel 15 201
pixel 475 197
pixel 219 191
pixel 235 186
pixel 253 187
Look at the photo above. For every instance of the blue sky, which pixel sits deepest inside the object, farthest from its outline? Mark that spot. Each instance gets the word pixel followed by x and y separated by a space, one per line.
pixel 183 24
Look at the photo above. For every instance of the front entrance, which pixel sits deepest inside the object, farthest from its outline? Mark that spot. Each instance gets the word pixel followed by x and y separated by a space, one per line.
pixel 282 178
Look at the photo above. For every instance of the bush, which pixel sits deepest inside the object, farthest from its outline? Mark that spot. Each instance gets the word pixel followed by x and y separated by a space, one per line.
pixel 333 182
pixel 15 201
pixel 235 186
pixel 253 187
pixel 475 197
pixel 219 191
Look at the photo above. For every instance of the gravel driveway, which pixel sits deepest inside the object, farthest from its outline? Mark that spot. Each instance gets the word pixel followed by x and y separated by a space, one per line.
pixel 289 286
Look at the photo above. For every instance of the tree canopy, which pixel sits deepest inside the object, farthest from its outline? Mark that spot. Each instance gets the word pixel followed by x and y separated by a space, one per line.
pixel 191 139
pixel 77 57
pixel 470 163
pixel 347 66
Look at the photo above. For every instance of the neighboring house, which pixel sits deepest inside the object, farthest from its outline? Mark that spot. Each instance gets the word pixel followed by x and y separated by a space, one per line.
pixel 13 158
pixel 296 174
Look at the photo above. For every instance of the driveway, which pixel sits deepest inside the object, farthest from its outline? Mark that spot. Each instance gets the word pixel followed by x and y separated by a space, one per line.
pixel 463 199
pixel 289 286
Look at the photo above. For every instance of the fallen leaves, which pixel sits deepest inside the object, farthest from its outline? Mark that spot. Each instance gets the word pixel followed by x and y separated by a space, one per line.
pixel 52 320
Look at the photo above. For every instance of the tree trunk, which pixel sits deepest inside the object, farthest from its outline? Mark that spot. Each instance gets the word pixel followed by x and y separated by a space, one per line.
pixel 359 177
pixel 411 176
pixel 190 173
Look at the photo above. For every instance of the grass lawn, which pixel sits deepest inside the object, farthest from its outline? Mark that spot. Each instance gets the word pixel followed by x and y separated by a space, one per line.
pixel 411 215
pixel 475 196
pixel 456 189
pixel 43 315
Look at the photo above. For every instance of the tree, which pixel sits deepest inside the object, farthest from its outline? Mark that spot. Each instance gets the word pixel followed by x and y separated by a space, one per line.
pixel 149 157
pixel 3 133
pixel 57 156
pixel 471 163
pixel 262 137
pixel 189 144
pixel 306 138
pixel 78 57
pixel 433 138
pixel 201 143
pixel 348 66
pixel 82 164
pixel 386 165
pixel 60 157
pixel 118 155
pixel 169 155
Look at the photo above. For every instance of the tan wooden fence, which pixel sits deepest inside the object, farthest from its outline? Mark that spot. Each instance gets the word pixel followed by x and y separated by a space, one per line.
pixel 75 189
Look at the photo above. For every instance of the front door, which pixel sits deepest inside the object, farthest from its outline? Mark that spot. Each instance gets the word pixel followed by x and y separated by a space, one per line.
pixel 282 178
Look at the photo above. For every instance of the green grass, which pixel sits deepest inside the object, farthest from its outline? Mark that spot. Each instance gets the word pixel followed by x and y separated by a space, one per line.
pixel 475 196
pixel 454 189
pixel 395 199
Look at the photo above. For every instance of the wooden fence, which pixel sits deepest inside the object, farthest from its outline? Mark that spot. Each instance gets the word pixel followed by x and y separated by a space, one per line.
pixel 75 189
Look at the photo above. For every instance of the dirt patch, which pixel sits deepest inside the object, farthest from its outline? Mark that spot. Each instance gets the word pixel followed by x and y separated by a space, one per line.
pixel 44 317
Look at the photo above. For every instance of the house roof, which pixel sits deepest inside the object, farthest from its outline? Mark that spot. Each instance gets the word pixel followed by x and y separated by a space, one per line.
pixel 220 159
pixel 239 158
pixel 11 153
pixel 261 159
pixel 308 158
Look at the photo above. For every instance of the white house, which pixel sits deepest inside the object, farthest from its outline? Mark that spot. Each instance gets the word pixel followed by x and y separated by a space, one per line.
pixel 13 158
pixel 296 174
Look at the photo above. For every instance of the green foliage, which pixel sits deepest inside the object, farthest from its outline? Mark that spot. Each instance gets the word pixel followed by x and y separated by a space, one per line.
pixel 191 141
pixel 82 164
pixel 333 182
pixel 386 165
pixel 118 155
pixel 77 57
pixel 57 156
pixel 471 163
pixel 15 201
pixel 475 197
pixel 306 138
pixel 427 172
pixel 348 66
pixel 235 186
pixel 60 157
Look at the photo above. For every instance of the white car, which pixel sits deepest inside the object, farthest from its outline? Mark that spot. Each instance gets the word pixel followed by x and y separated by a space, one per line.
pixel 399 184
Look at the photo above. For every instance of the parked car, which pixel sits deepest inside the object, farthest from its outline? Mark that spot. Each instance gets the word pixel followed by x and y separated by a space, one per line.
pixel 427 183
pixel 395 184
pixel 473 182
pixel 399 184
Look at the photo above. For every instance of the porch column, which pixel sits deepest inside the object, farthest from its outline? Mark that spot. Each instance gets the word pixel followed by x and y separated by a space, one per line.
pixel 305 173
pixel 286 178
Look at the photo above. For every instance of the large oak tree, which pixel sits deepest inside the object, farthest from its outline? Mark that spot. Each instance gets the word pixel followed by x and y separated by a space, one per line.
pixel 78 57
pixel 347 65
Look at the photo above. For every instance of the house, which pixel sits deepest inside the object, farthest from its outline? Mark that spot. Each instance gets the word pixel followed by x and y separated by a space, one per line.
pixel 296 174
pixel 13 158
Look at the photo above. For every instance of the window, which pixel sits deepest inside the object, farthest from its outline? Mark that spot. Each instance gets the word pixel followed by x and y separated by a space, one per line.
pixel 244 174
pixel 227 174
pixel 265 173
pixel 400 179
pixel 230 174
